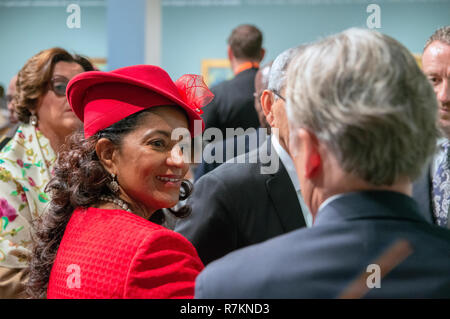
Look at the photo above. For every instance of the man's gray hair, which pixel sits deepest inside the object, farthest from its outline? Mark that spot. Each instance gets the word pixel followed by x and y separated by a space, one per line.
pixel 278 71
pixel 362 93
pixel 441 35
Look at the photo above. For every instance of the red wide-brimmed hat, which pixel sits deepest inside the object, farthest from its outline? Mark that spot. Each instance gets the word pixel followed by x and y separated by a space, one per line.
pixel 100 99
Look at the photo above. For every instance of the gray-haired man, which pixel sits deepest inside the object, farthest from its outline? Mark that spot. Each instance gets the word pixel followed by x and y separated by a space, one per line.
pixel 362 124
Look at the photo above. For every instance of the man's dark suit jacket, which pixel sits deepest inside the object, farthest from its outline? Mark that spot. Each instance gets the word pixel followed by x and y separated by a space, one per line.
pixel 236 205
pixel 233 103
pixel 422 189
pixel 350 233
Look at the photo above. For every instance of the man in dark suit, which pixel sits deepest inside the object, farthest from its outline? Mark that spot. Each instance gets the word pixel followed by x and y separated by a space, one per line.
pixel 362 124
pixel 232 106
pixel 432 189
pixel 253 197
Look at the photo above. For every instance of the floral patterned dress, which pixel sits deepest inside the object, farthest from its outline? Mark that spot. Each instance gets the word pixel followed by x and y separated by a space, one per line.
pixel 25 170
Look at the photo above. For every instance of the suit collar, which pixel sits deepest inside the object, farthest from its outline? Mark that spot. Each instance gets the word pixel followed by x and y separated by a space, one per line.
pixel 287 161
pixel 246 66
pixel 285 200
pixel 279 186
pixel 369 205
pixel 246 72
pixel 268 167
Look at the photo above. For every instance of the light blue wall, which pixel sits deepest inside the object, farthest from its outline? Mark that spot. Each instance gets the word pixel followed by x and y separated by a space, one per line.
pixel 126 33
pixel 24 31
pixel 192 33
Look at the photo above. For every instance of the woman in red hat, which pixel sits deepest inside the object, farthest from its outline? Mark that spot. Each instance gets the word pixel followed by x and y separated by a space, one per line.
pixel 96 241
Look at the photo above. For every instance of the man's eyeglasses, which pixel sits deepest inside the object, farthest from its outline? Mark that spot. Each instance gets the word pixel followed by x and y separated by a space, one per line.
pixel 279 95
pixel 258 96
pixel 59 85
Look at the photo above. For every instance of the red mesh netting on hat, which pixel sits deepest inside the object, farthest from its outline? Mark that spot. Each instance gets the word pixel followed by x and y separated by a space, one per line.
pixel 194 91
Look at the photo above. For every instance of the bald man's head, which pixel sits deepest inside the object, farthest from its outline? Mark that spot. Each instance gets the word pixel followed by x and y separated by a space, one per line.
pixel 436 66
pixel 261 82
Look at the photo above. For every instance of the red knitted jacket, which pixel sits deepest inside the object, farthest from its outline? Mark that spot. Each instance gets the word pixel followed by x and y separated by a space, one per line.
pixel 116 254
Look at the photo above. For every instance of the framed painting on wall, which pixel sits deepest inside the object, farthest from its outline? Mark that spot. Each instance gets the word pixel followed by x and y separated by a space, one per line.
pixel 99 63
pixel 215 71
pixel 418 57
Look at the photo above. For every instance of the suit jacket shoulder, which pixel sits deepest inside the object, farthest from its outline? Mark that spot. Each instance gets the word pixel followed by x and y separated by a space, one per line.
pixel 323 261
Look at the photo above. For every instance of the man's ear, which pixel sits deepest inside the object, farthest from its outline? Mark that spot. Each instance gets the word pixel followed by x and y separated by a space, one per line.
pixel 266 104
pixel 310 152
pixel 263 54
pixel 230 53
pixel 106 152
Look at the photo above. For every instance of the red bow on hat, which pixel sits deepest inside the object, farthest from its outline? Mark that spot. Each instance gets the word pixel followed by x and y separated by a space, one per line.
pixel 100 99
pixel 194 91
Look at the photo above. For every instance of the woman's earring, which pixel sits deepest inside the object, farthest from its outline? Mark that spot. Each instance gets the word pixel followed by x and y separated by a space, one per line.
pixel 33 120
pixel 113 185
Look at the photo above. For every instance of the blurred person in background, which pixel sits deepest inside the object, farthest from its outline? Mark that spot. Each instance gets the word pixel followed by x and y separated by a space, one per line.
pixel 2 97
pixel 12 123
pixel 233 104
pixel 26 161
pixel 362 122
pixel 432 190
pixel 3 112
pixel 10 98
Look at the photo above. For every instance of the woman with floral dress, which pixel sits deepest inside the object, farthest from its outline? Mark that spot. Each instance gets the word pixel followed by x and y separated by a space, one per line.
pixel 26 161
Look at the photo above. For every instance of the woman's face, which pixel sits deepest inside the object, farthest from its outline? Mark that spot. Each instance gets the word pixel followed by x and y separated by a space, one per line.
pixel 55 117
pixel 149 164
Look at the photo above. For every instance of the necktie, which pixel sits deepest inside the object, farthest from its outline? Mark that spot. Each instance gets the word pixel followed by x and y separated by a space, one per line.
pixel 441 188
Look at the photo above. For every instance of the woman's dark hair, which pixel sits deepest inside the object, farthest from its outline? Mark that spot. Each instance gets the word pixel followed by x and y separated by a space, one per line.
pixel 79 180
pixel 35 75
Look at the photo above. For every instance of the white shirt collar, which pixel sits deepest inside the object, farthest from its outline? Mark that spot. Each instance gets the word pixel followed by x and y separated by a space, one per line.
pixel 287 162
pixel 290 168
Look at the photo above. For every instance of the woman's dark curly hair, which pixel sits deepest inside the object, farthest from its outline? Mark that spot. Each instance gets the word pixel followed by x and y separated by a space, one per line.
pixel 79 180
pixel 34 78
